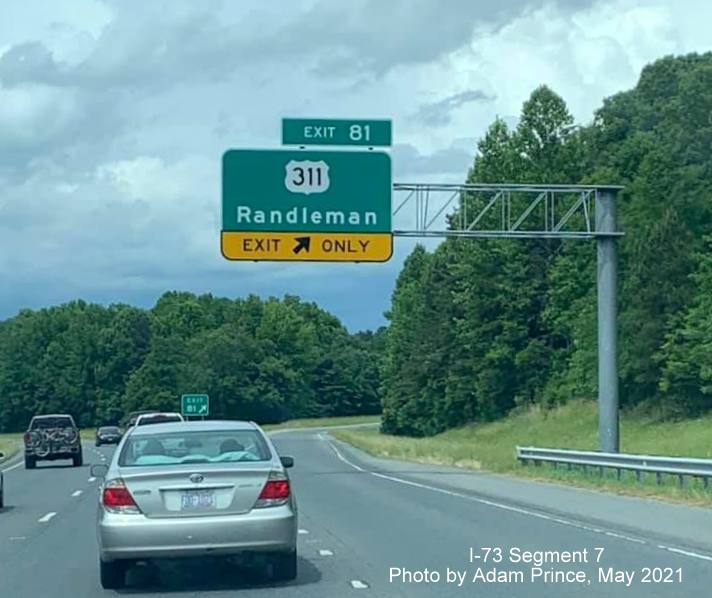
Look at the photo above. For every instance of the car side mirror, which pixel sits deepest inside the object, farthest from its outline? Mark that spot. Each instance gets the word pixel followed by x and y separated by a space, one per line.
pixel 287 461
pixel 99 470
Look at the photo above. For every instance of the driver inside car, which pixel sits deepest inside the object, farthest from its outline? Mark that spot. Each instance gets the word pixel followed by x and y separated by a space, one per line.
pixel 230 445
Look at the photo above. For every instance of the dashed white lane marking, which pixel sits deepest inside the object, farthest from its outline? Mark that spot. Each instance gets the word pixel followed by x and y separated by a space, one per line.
pixel 303 531
pixel 694 555
pixel 76 493
pixel 516 509
pixel 17 538
pixel 324 552
pixel 622 537
pixel 92 479
pixel 358 585
pixel 46 517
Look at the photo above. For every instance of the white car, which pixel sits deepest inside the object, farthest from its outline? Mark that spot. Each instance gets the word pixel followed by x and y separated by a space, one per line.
pixel 196 489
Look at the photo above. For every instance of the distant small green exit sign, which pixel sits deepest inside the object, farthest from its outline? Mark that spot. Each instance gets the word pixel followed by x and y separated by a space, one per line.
pixel 195 404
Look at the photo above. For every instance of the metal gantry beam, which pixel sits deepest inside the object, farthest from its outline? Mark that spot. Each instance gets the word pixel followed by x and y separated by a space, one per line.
pixel 499 211
pixel 517 211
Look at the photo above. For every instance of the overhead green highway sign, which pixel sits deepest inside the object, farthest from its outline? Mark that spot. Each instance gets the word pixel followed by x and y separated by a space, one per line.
pixel 306 205
pixel 336 131
pixel 195 404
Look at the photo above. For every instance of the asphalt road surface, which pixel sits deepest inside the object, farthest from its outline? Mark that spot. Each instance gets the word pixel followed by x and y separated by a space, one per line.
pixel 360 523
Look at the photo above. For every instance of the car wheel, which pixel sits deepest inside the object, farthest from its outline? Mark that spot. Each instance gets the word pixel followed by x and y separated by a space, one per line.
pixel 284 566
pixel 112 575
pixel 30 462
pixel 78 460
pixel 97 443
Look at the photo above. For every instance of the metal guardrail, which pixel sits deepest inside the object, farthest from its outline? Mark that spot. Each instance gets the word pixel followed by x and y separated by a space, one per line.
pixel 640 464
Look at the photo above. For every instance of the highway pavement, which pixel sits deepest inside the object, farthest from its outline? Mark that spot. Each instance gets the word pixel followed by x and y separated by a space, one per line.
pixel 366 529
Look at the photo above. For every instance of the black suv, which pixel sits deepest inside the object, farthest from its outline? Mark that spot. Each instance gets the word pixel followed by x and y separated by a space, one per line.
pixel 51 437
pixel 131 418
pixel 107 435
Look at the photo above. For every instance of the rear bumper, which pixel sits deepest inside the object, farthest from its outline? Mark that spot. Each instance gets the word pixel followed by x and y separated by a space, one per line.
pixel 140 537
pixel 64 453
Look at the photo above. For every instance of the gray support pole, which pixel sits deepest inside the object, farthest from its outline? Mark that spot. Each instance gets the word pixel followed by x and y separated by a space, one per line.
pixel 607 334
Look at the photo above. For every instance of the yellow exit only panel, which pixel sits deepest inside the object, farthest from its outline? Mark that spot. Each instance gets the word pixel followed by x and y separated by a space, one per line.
pixel 307 247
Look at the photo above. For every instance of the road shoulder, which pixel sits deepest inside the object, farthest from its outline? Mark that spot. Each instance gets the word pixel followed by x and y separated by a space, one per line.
pixel 664 522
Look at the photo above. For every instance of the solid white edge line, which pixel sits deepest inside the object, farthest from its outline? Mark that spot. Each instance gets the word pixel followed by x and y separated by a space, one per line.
pixel 344 459
pixel 515 509
pixel 11 467
pixel 46 517
pixel 694 555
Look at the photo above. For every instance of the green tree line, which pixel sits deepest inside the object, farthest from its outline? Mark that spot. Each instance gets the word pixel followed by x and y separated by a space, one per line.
pixel 265 361
pixel 478 327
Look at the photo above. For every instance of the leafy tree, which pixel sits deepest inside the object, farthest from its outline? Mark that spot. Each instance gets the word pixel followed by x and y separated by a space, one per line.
pixel 480 326
pixel 261 360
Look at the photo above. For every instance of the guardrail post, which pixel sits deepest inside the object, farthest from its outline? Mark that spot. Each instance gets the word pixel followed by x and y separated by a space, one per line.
pixel 607 280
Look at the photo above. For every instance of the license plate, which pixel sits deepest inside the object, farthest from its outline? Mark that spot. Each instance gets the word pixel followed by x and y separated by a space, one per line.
pixel 197 499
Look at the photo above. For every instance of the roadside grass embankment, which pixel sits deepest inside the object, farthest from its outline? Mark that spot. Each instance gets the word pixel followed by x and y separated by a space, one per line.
pixel 325 422
pixel 10 444
pixel 491 447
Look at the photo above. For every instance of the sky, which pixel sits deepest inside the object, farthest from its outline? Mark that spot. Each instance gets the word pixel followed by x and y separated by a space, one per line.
pixel 114 115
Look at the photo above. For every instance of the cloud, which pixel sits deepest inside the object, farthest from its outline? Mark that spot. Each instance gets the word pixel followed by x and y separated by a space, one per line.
pixel 376 36
pixel 438 114
pixel 451 161
pixel 29 62
pixel 152 45
pixel 114 115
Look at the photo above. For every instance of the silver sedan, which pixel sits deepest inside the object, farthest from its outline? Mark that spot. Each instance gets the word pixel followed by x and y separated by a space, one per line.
pixel 195 489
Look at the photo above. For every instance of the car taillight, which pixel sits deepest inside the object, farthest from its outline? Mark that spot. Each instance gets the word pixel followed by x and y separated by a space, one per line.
pixel 275 491
pixel 27 437
pixel 116 498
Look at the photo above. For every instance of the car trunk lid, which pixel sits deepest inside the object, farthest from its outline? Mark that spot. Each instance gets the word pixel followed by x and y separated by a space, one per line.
pixel 196 490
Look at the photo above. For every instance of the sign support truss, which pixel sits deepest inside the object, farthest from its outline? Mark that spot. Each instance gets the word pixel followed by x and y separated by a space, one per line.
pixel 515 211
pixel 500 211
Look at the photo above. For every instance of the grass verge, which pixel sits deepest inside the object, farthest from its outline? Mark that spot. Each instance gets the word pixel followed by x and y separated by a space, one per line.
pixel 89 434
pixel 491 446
pixel 10 444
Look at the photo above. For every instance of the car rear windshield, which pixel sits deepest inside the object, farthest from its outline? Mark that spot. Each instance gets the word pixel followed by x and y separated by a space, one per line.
pixel 109 429
pixel 158 419
pixel 52 422
pixel 228 446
